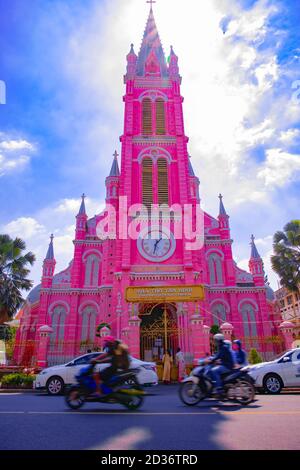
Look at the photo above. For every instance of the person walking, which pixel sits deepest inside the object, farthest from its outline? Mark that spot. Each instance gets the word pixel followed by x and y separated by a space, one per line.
pixel 167 363
pixel 180 362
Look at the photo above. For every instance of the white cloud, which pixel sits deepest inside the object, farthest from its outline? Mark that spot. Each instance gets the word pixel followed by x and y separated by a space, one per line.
pixel 12 164
pixel 280 168
pixel 12 156
pixel 58 219
pixel 13 145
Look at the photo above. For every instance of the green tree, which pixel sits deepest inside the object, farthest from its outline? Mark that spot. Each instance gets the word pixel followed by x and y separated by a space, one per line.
pixel 254 357
pixel 13 275
pixel 286 258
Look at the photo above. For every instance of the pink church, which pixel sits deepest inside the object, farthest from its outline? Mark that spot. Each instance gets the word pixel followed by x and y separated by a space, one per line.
pixel 146 291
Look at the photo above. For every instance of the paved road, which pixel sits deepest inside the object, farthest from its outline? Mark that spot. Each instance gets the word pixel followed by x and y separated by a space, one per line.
pixel 31 421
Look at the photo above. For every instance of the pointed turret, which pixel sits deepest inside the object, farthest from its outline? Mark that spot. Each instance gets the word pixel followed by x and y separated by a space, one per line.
pixel 223 218
pixel 50 252
pixel 131 64
pixel 151 59
pixel 256 264
pixel 112 181
pixel 115 166
pixel 173 66
pixel 81 220
pixel 254 252
pixel 82 210
pixel 49 265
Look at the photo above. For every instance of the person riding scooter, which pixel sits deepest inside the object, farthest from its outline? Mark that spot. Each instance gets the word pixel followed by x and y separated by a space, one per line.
pixel 224 357
pixel 116 353
pixel 239 354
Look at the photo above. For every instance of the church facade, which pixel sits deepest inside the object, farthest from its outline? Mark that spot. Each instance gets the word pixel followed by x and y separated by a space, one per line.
pixel 151 290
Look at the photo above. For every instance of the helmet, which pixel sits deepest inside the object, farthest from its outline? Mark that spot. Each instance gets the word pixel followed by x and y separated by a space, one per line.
pixel 238 342
pixel 227 343
pixel 219 337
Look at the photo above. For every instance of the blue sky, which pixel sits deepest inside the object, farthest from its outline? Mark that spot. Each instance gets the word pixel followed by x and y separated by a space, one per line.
pixel 63 63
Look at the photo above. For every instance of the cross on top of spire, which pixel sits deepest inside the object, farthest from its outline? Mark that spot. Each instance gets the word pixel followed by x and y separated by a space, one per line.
pixel 115 154
pixel 151 2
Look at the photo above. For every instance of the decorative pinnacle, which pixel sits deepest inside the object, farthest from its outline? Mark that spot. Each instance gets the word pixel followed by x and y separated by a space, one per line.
pixel 50 252
pixel 151 3
pixel 115 154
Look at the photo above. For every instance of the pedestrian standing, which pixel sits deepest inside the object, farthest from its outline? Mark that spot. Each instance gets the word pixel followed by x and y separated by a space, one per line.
pixel 180 362
pixel 167 362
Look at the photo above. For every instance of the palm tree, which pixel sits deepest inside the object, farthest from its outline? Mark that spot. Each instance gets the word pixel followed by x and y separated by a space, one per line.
pixel 13 275
pixel 286 258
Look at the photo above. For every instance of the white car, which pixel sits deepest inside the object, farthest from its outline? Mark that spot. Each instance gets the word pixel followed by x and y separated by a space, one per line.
pixel 284 371
pixel 53 379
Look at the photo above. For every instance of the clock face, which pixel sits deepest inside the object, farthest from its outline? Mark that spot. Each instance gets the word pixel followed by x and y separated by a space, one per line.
pixel 156 245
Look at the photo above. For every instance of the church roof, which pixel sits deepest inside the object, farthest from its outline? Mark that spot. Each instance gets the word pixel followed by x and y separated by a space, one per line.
pixel 82 210
pixel 34 294
pixel 222 210
pixel 191 169
pixel 254 252
pixel 50 252
pixel 151 42
pixel 115 167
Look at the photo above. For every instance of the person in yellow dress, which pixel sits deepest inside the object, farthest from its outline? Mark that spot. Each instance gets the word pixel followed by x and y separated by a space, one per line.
pixel 167 362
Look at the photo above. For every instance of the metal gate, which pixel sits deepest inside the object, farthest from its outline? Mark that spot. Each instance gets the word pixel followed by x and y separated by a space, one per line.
pixel 157 336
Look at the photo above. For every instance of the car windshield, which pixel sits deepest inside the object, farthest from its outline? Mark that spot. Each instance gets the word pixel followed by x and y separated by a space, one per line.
pixel 281 355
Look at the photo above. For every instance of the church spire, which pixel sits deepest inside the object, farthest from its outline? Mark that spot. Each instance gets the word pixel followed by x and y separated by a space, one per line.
pixel 49 265
pixel 151 47
pixel 50 252
pixel 222 210
pixel 115 166
pixel 223 218
pixel 254 252
pixel 82 210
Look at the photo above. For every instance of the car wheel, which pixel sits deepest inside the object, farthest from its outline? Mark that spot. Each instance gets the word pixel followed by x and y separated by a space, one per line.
pixel 273 384
pixel 55 386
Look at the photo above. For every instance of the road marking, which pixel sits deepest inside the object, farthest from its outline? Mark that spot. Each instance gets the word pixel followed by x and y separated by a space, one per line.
pixel 120 413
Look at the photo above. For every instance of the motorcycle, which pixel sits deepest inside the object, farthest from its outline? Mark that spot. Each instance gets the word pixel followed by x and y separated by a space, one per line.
pixel 238 386
pixel 122 388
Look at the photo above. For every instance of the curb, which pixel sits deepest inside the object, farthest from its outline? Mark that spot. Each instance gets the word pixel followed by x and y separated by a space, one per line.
pixel 16 390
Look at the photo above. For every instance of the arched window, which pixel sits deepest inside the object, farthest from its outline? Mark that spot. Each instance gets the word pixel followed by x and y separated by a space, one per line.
pixel 218 314
pixel 215 269
pixel 163 189
pixel 160 117
pixel 88 326
pixel 249 320
pixel 147 181
pixel 58 324
pixel 92 271
pixel 147 116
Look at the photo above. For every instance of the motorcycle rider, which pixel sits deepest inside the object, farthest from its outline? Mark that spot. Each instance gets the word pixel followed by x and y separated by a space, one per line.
pixel 116 353
pixel 239 354
pixel 224 356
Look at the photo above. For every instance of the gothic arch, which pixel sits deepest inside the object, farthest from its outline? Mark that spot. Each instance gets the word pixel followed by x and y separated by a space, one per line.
pixel 89 314
pixel 58 303
pixel 92 269
pixel 152 95
pixel 88 303
pixel 215 250
pixel 248 309
pixel 215 268
pixel 247 300
pixel 154 153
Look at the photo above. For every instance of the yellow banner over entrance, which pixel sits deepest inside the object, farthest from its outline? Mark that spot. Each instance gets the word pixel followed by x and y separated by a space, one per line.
pixel 165 294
